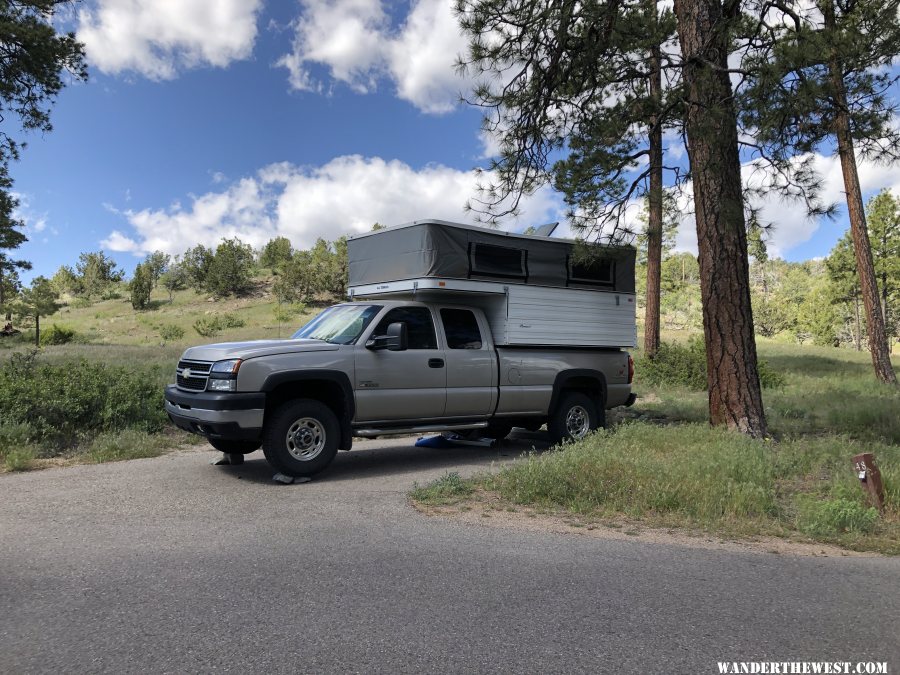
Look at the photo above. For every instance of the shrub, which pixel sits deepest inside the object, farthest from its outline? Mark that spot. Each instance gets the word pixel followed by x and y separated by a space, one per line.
pixel 685 365
pixel 170 331
pixel 63 403
pixel 231 321
pixel 14 435
pixel 111 294
pixel 16 450
pixel 835 516
pixel 675 364
pixel 57 335
pixel 19 459
pixel 210 326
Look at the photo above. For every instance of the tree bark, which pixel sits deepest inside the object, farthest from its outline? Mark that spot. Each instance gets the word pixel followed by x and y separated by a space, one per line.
pixel 868 285
pixel 735 398
pixel 37 330
pixel 655 212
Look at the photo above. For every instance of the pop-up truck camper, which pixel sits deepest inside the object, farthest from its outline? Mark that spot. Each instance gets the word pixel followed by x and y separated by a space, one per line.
pixel 449 327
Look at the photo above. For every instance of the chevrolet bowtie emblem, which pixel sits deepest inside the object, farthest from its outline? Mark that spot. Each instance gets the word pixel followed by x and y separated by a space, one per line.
pixel 186 373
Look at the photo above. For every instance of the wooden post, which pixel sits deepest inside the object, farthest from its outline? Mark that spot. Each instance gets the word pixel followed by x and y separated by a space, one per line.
pixel 870 479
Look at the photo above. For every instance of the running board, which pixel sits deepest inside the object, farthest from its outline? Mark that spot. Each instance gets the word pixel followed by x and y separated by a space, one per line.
pixel 371 433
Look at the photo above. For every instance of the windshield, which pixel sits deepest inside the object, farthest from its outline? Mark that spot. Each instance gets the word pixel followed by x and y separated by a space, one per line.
pixel 341 324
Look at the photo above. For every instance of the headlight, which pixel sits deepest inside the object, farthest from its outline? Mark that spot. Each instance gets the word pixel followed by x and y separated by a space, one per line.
pixel 230 366
pixel 221 385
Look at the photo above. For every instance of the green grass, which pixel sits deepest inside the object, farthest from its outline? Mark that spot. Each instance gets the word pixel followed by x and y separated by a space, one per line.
pixel 448 489
pixel 127 444
pixel 661 464
pixel 115 322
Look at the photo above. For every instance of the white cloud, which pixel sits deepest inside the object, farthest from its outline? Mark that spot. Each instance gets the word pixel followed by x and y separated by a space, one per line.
pixel 34 222
pixel 357 45
pixel 791 226
pixel 345 196
pixel 161 38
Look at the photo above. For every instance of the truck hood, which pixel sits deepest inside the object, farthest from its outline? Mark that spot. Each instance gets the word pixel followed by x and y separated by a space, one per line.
pixel 255 348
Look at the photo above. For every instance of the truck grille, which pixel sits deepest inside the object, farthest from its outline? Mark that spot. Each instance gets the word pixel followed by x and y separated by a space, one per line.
pixel 192 375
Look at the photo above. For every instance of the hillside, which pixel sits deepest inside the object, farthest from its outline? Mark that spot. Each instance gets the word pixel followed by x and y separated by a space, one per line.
pixel 115 322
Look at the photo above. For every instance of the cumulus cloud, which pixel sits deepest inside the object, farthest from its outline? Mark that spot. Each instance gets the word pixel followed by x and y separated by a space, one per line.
pixel 356 44
pixel 345 196
pixel 34 223
pixel 790 224
pixel 161 38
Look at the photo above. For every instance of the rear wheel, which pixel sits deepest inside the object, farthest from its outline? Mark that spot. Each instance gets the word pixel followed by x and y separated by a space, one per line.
pixel 301 438
pixel 574 418
pixel 234 447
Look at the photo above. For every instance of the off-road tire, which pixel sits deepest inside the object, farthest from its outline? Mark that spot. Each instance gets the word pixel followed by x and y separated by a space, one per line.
pixel 231 447
pixel 298 428
pixel 574 418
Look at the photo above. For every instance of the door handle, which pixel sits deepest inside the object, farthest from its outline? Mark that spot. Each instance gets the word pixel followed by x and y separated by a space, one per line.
pixel 435 363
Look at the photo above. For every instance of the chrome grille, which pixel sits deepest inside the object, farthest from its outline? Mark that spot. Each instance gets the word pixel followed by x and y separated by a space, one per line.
pixel 192 375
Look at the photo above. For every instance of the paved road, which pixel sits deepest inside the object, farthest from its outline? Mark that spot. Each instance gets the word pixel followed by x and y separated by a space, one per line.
pixel 173 565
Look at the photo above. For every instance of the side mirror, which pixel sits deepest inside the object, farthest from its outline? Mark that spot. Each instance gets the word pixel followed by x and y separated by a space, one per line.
pixel 397 337
pixel 395 340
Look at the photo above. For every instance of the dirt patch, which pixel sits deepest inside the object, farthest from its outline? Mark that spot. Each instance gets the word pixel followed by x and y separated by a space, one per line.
pixel 488 510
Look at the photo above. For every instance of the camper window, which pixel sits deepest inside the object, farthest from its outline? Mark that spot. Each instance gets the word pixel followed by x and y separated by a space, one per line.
pixel 596 272
pixel 497 261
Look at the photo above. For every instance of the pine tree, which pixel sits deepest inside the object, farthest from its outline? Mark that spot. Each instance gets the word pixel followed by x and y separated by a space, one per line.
pixel 824 77
pixel 96 272
pixel 40 299
pixel 841 266
pixel 883 216
pixel 141 286
pixel 585 79
pixel 32 62
pixel 574 75
pixel 276 253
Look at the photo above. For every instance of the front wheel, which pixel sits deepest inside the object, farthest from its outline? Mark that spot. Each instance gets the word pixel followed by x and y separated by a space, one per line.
pixel 574 418
pixel 301 438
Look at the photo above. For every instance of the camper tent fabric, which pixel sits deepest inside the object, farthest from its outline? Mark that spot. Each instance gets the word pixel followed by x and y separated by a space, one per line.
pixel 448 250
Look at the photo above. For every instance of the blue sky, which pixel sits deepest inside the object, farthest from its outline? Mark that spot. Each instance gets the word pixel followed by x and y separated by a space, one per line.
pixel 212 118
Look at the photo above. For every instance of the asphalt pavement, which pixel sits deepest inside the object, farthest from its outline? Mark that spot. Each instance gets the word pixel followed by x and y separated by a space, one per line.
pixel 172 565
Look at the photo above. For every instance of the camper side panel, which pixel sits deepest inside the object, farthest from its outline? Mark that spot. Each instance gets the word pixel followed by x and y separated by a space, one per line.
pixel 538 315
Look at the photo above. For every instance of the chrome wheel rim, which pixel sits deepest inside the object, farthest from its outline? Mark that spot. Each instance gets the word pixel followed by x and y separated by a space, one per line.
pixel 305 439
pixel 578 422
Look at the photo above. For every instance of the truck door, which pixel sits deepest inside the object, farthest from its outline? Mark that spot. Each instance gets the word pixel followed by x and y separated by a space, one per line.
pixel 407 385
pixel 471 365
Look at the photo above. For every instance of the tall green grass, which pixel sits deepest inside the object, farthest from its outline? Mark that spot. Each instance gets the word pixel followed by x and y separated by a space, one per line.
pixel 695 476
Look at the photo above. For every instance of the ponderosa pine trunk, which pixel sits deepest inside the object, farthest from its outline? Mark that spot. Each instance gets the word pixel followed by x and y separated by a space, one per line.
pixel 37 330
pixel 868 285
pixel 655 213
pixel 735 398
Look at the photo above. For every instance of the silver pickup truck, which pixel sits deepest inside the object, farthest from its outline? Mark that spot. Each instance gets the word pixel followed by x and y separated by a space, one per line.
pixel 366 369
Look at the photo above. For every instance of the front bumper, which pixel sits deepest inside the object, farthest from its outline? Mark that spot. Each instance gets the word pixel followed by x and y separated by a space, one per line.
pixel 237 416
